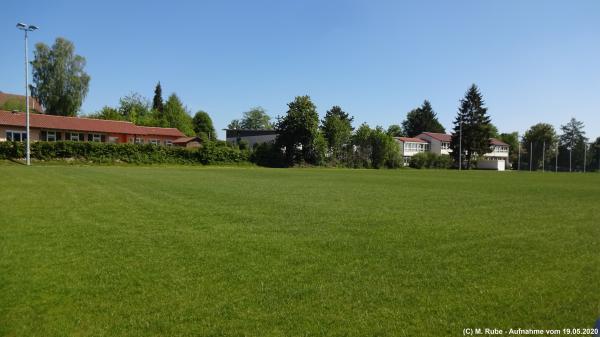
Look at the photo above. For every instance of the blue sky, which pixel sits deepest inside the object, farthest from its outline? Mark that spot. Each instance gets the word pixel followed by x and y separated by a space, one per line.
pixel 535 61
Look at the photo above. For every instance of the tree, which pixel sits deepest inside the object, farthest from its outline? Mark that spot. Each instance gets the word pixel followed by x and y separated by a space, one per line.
pixel 512 139
pixel 594 155
pixel 375 148
pixel 60 83
pixel 157 101
pixel 134 108
pixel 203 125
pixel 361 142
pixel 572 144
pixel 298 131
pixel 256 119
pixel 235 125
pixel 476 130
pixel 175 115
pixel 107 113
pixel 337 130
pixel 535 138
pixel 395 130
pixel 422 119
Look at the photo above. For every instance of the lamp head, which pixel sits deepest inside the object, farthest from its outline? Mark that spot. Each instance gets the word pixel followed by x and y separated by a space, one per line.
pixel 21 26
pixel 32 28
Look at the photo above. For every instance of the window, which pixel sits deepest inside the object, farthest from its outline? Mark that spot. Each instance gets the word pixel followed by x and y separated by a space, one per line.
pixel 16 136
pixel 154 141
pixel 445 145
pixel 113 139
pixel 50 136
pixel 139 140
pixel 96 137
pixel 74 137
pixel 168 142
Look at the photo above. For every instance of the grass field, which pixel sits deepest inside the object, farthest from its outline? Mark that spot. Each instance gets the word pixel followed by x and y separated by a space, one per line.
pixel 190 251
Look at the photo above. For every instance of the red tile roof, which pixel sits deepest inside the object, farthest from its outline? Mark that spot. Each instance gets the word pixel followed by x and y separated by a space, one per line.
pixel 410 140
pixel 51 122
pixel 498 142
pixel 442 137
pixel 33 103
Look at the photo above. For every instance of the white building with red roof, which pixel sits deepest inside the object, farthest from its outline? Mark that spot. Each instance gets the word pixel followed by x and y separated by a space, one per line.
pixel 411 146
pixel 54 128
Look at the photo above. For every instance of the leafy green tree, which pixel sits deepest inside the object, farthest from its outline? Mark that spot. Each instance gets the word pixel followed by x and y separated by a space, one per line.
pixel 361 141
pixel 175 115
pixel 134 108
pixel 60 83
pixel 157 101
pixel 573 141
pixel 594 155
pixel 512 139
pixel 298 131
pixel 108 113
pixel 422 119
pixel 476 130
pixel 384 149
pixel 203 125
pixel 375 148
pixel 256 119
pixel 337 130
pixel 535 138
pixel 235 125
pixel 395 130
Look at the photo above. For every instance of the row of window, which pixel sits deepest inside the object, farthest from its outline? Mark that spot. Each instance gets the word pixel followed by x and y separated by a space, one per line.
pixel 420 147
pixel 53 136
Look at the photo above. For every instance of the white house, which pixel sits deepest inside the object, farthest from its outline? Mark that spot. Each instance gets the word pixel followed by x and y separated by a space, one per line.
pixel 411 146
pixel 497 159
pixel 439 143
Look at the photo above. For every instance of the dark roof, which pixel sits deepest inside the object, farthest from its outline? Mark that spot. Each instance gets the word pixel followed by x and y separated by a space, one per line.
pixel 410 140
pixel 185 140
pixel 442 137
pixel 33 103
pixel 42 121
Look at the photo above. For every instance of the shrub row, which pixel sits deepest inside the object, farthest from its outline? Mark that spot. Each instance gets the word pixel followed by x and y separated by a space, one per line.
pixel 210 153
pixel 430 160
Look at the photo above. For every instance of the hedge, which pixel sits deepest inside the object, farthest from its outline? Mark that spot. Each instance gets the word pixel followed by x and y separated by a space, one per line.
pixel 430 160
pixel 128 153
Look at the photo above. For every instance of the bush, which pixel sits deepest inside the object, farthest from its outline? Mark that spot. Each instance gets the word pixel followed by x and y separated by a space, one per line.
pixel 430 160
pixel 210 153
pixel 267 154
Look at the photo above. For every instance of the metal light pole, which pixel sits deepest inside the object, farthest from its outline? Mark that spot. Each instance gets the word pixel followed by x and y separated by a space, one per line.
pixel 544 157
pixel 556 160
pixel 27 28
pixel 570 157
pixel 519 156
pixel 530 155
pixel 584 156
pixel 460 145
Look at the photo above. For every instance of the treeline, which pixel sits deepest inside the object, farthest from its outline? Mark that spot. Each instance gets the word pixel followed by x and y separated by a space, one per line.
pixel 171 113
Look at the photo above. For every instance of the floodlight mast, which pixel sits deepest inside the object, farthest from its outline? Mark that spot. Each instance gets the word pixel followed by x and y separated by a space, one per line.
pixel 27 28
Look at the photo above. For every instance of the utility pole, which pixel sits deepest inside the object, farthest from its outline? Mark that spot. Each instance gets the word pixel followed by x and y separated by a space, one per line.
pixel 570 158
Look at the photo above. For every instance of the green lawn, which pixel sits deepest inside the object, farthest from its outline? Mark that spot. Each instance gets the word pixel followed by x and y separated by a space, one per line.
pixel 192 251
